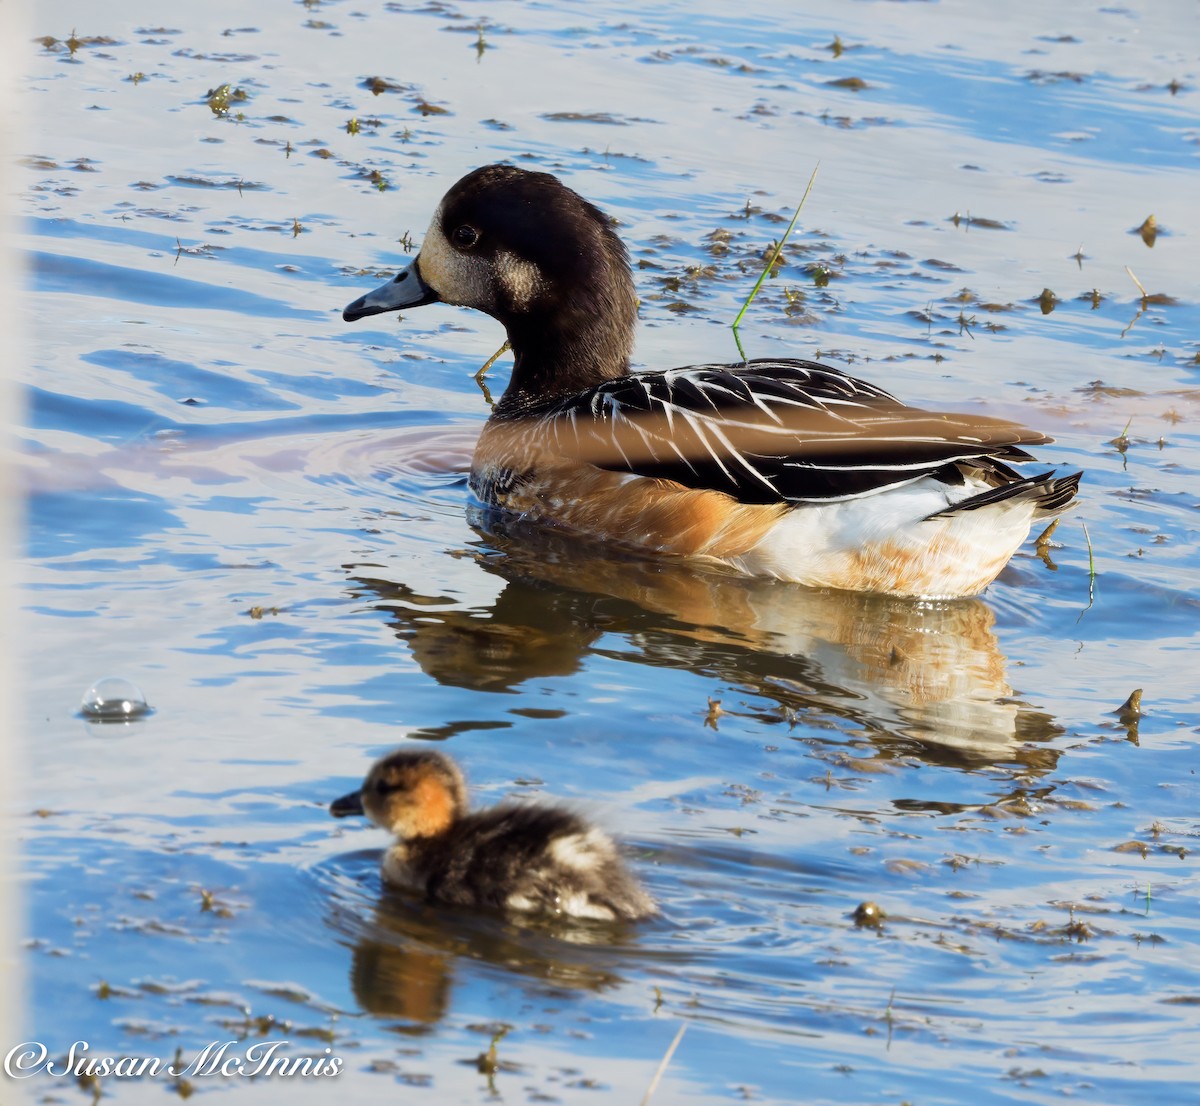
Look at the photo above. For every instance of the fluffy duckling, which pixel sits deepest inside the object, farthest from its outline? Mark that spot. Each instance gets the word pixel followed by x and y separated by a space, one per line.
pixel 526 858
pixel 782 468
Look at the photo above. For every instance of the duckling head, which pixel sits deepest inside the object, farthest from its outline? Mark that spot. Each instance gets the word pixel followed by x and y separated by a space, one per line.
pixel 527 250
pixel 412 793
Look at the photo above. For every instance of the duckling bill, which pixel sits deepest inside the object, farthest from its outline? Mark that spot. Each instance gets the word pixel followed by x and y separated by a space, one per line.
pixel 522 858
pixel 783 468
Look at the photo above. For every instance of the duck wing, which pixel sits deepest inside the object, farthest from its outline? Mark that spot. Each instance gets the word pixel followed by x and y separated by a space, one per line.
pixel 770 431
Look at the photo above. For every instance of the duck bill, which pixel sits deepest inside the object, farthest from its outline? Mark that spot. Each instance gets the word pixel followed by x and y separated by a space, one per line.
pixel 405 289
pixel 347 806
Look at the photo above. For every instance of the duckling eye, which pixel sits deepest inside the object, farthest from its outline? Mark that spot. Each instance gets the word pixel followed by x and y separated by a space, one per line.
pixel 465 236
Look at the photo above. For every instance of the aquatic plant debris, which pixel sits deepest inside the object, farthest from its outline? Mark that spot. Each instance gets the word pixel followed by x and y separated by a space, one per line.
pixel 221 98
pixel 1131 709
pixel 869 915
pixel 769 267
pixel 662 1066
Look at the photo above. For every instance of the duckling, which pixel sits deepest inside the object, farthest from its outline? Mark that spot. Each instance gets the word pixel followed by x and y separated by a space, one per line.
pixel 526 858
pixel 781 468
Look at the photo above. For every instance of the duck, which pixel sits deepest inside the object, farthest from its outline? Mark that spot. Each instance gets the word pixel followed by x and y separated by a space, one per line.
pixel 522 858
pixel 783 468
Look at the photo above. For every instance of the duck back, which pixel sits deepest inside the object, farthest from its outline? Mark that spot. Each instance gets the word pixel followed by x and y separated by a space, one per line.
pixel 531 858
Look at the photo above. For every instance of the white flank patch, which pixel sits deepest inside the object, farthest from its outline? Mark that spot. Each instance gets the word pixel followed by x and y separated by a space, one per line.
pixel 883 543
pixel 579 905
pixel 581 851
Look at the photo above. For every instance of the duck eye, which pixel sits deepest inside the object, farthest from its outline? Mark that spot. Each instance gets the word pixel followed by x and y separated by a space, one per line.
pixel 465 236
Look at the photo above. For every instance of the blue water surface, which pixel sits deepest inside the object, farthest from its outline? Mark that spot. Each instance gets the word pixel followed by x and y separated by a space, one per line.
pixel 260 516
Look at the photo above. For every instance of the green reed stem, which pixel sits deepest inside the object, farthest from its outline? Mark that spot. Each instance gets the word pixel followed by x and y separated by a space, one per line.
pixel 771 263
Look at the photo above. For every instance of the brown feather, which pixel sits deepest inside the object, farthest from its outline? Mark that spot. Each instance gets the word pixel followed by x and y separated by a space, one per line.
pixel 513 469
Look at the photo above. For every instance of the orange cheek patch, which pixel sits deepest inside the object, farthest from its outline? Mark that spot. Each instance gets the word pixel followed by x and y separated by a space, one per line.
pixel 431 810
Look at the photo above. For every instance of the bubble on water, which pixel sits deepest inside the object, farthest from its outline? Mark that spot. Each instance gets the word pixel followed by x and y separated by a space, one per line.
pixel 114 699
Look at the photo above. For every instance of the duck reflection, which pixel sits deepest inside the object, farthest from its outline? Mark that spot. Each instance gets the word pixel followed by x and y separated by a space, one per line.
pixel 405 953
pixel 924 678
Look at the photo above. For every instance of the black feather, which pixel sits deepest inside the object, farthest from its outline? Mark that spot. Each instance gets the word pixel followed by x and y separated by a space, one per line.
pixel 771 431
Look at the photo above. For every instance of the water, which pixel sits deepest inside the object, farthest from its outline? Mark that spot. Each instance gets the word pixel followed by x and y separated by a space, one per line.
pixel 258 515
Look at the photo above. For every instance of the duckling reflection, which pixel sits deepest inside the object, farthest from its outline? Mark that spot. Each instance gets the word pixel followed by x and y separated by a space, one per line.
pixel 406 957
pixel 401 981
pixel 916 677
pixel 527 858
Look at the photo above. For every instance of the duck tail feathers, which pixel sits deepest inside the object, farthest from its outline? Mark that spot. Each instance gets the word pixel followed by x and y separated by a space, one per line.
pixel 1049 494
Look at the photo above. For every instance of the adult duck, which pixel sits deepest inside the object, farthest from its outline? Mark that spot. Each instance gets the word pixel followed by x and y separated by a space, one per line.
pixel 783 468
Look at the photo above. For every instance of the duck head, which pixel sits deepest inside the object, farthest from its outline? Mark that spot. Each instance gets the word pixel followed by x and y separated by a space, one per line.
pixel 539 258
pixel 412 793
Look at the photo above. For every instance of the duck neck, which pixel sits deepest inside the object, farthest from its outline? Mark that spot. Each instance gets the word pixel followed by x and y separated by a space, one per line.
pixel 549 367
pixel 572 343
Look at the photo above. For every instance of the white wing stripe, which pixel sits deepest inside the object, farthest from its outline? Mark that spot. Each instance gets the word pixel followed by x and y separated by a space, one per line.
pixel 805 433
pixel 736 453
